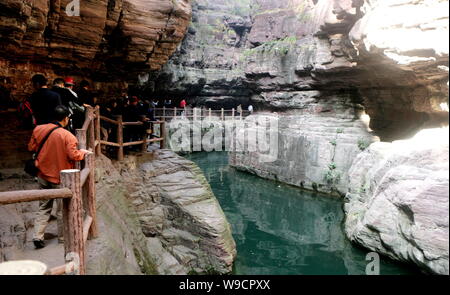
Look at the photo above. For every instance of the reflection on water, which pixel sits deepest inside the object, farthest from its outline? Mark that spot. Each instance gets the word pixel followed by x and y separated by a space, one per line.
pixel 283 230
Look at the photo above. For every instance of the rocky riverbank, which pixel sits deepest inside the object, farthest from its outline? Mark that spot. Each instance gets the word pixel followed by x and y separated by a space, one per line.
pixel 398 200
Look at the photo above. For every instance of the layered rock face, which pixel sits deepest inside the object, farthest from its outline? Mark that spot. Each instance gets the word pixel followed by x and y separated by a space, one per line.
pixel 398 200
pixel 207 68
pixel 313 151
pixel 178 212
pixel 320 61
pixel 340 75
pixel 264 49
pixel 108 41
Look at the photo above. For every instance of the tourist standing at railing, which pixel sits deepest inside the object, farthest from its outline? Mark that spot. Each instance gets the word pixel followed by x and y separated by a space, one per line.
pixel 85 95
pixel 250 109
pixel 239 109
pixel 79 116
pixel 43 101
pixel 59 152
pixel 69 100
pixel 133 113
pixel 183 104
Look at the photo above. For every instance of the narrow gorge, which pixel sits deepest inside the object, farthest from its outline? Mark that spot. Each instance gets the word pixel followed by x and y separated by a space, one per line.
pixel 358 91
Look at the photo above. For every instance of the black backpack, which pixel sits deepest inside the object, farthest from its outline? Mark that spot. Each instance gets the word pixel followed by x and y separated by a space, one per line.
pixel 26 116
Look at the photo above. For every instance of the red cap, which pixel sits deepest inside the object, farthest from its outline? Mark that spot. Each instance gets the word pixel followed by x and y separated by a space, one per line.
pixel 69 81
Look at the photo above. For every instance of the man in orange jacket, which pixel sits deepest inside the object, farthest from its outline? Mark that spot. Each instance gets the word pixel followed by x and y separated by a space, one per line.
pixel 59 152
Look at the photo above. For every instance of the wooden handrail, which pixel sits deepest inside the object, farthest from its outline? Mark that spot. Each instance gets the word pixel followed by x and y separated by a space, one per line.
pixel 132 123
pixel 109 120
pixel 84 175
pixel 63 269
pixel 120 144
pixel 14 197
pixel 86 226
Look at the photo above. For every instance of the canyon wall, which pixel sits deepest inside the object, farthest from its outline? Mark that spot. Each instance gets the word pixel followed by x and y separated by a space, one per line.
pixel 356 71
pixel 111 41
pixel 338 76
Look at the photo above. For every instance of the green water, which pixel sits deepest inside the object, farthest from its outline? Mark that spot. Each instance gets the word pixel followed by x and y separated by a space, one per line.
pixel 280 229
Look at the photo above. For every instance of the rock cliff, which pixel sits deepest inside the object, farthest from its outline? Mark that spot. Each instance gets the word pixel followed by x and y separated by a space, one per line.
pixel 340 75
pixel 281 54
pixel 110 40
pixel 398 200
pixel 330 63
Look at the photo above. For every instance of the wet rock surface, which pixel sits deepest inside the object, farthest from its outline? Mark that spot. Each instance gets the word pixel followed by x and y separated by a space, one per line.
pixel 398 200
pixel 312 150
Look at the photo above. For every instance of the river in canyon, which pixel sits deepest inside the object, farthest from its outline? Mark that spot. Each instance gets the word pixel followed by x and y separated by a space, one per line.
pixel 282 230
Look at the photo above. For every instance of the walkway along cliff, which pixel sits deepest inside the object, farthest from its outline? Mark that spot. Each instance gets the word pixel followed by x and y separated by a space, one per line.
pixel 155 212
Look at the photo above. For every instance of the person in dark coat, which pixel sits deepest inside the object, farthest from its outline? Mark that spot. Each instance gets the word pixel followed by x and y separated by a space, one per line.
pixel 133 113
pixel 85 95
pixel 43 101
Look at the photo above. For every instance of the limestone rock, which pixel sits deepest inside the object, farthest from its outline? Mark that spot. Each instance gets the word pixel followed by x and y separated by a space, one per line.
pixel 189 221
pixel 315 151
pixel 371 49
pixel 398 200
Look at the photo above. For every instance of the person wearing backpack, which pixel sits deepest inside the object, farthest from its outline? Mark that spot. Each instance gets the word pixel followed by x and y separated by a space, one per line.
pixel 26 116
pixel 56 150
pixel 69 100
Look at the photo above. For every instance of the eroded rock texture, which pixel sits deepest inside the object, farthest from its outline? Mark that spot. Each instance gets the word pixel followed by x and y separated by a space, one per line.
pixel 398 200
pixel 207 69
pixel 186 229
pixel 111 40
pixel 392 54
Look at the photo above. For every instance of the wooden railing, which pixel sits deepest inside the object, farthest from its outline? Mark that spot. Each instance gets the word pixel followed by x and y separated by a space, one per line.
pixel 78 191
pixel 199 114
pixel 120 144
pixel 79 199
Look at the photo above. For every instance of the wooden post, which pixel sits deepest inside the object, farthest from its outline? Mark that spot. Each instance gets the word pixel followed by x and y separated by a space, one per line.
pixel 164 112
pixel 232 114
pixel 92 136
pixel 81 137
pixel 223 115
pixel 91 196
pixel 162 134
pixel 194 115
pixel 144 136
pixel 98 148
pixel 73 218
pixel 210 113
pixel 175 113
pixel 120 138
